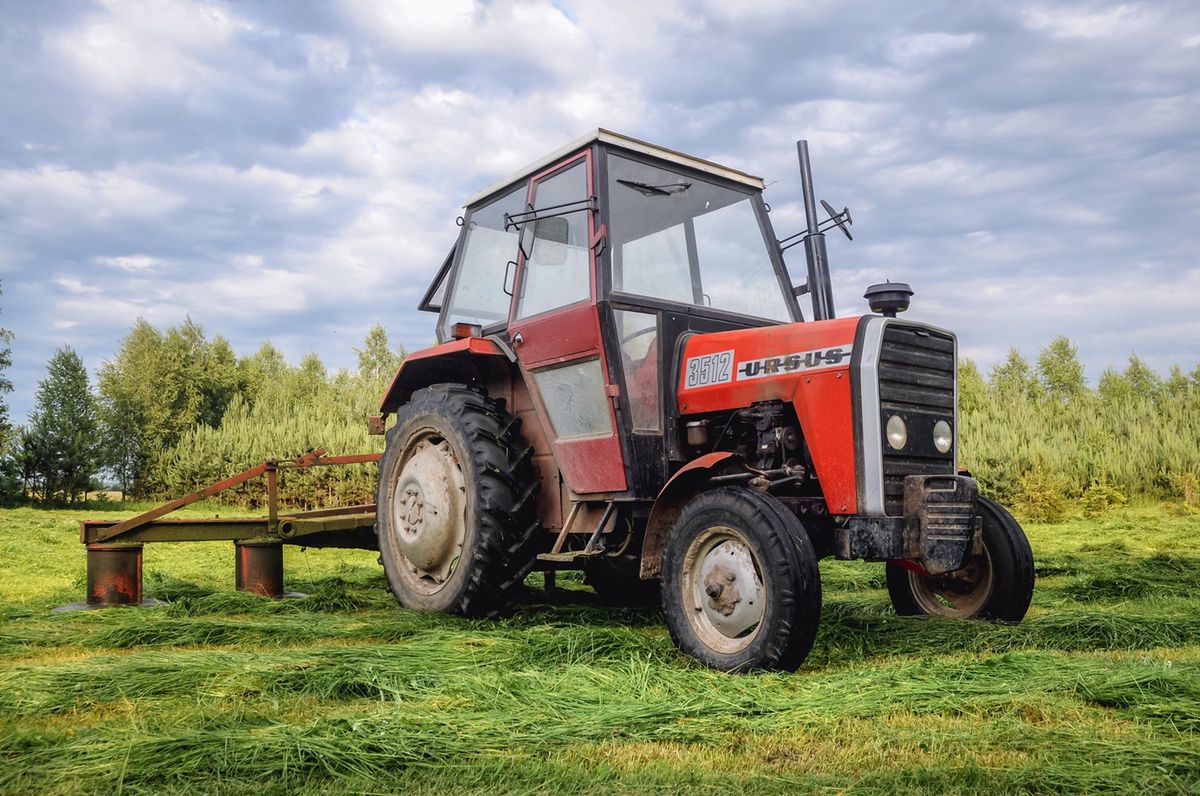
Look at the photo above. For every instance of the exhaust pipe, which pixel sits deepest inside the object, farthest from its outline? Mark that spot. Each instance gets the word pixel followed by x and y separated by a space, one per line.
pixel 814 244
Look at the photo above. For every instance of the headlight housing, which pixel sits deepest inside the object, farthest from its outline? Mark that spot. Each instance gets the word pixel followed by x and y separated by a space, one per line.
pixel 943 436
pixel 897 432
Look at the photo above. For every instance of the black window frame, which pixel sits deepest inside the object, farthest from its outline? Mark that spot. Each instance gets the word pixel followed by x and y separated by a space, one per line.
pixel 427 304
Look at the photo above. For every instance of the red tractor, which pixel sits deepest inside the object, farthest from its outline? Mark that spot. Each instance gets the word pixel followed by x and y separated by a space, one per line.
pixel 625 383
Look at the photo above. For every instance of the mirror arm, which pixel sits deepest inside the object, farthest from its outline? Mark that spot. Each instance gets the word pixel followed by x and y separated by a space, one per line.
pixel 553 211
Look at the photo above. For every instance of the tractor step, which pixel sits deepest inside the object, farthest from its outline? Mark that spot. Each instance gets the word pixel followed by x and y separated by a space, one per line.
pixel 568 557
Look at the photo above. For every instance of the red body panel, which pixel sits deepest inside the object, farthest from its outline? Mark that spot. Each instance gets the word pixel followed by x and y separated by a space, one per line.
pixel 422 368
pixel 807 364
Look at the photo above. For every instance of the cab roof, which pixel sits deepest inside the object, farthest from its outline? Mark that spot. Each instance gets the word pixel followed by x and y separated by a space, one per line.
pixel 624 142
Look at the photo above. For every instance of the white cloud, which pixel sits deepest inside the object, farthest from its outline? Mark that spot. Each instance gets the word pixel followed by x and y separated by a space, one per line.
pixel 132 47
pixel 1064 22
pixel 130 262
pixel 917 47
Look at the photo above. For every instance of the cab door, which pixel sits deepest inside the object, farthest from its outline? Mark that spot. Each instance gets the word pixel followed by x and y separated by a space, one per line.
pixel 554 327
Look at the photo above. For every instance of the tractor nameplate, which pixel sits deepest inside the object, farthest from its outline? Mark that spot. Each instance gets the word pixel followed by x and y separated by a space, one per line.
pixel 791 363
pixel 708 369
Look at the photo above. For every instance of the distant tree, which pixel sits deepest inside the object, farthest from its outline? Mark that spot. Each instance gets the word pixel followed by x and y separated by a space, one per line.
pixel 1144 382
pixel 6 428
pixel 1114 388
pixel 257 371
pixel 972 390
pixel 156 388
pixel 1060 372
pixel 10 488
pixel 1177 384
pixel 1014 378
pixel 377 360
pixel 63 430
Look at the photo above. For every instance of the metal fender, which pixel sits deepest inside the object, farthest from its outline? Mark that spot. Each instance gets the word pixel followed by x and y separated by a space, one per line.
pixel 447 362
pixel 671 499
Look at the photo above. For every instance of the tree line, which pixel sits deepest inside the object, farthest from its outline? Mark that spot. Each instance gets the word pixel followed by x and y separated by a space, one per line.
pixel 173 411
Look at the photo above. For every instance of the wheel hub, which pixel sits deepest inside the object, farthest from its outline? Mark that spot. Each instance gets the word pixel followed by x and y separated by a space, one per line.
pixel 959 594
pixel 727 593
pixel 428 510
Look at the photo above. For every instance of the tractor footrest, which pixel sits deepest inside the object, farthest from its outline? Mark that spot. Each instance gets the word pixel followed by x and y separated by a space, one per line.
pixel 568 557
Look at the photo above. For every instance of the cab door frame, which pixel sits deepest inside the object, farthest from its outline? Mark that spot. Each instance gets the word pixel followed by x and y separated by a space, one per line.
pixel 570 336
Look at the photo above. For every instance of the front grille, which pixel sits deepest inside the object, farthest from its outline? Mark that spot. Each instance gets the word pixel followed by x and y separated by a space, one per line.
pixel 916 381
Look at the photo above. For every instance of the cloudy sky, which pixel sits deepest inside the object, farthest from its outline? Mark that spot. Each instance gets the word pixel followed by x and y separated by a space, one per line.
pixel 293 171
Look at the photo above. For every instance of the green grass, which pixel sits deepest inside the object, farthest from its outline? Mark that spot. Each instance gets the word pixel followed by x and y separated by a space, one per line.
pixel 222 692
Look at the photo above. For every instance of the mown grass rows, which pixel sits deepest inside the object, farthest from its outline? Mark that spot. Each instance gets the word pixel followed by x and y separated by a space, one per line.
pixel 223 692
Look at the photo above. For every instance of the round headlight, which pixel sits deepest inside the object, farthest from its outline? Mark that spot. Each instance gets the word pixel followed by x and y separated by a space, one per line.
pixel 897 432
pixel 943 437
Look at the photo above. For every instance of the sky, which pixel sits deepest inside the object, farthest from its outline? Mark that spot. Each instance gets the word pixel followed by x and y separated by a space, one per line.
pixel 293 171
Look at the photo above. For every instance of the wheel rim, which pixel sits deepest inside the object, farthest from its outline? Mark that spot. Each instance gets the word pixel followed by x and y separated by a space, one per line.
pixel 961 593
pixel 723 589
pixel 428 512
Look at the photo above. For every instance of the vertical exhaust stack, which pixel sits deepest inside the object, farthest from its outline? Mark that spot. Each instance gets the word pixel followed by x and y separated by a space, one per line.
pixel 814 244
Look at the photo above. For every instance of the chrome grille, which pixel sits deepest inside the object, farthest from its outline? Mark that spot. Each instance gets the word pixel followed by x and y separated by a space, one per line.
pixel 916 381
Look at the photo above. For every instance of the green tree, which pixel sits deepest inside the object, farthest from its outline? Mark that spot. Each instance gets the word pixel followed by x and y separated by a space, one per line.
pixel 1060 372
pixel 1177 385
pixel 1144 382
pixel 258 371
pixel 377 360
pixel 972 390
pixel 1014 378
pixel 10 483
pixel 1114 388
pixel 156 388
pixel 64 430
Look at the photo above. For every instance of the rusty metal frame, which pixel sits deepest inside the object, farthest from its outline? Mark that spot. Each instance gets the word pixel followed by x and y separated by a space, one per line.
pixel 351 524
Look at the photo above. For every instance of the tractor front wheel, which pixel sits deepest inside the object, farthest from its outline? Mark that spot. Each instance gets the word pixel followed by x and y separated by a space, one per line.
pixel 996 585
pixel 741 588
pixel 455 504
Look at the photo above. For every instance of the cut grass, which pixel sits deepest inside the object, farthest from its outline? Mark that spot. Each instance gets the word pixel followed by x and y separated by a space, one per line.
pixel 221 692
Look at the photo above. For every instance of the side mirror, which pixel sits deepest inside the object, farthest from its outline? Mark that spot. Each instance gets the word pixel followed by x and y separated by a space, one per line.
pixel 526 239
pixel 550 240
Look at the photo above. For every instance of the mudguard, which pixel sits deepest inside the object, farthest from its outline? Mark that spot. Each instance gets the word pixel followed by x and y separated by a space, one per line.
pixel 454 361
pixel 671 499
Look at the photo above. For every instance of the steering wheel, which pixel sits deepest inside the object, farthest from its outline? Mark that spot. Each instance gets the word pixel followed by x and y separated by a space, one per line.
pixel 639 333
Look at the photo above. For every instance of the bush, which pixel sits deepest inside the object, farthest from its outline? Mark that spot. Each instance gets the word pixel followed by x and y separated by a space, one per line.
pixel 1099 497
pixel 1187 486
pixel 1041 496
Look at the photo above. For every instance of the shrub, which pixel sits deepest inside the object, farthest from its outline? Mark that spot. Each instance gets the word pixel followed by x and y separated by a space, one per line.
pixel 1041 496
pixel 1099 497
pixel 1187 486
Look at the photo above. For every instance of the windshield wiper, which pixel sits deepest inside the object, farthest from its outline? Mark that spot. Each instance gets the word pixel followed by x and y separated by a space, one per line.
pixel 656 190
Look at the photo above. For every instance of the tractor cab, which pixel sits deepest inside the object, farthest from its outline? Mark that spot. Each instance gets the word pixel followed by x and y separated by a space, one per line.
pixel 588 267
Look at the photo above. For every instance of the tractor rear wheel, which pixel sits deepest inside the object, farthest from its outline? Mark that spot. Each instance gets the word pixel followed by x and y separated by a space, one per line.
pixel 741 588
pixel 455 504
pixel 996 585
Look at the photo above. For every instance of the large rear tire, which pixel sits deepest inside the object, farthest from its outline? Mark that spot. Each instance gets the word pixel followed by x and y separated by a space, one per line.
pixel 997 585
pixel 455 504
pixel 741 588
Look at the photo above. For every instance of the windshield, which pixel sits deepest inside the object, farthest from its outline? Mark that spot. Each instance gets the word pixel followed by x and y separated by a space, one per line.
pixel 683 239
pixel 477 294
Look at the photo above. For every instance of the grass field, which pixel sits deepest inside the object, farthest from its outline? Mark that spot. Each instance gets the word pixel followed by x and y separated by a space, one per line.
pixel 1098 690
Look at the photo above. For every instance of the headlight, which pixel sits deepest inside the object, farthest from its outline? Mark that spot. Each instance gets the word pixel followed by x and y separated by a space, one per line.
pixel 897 432
pixel 943 437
